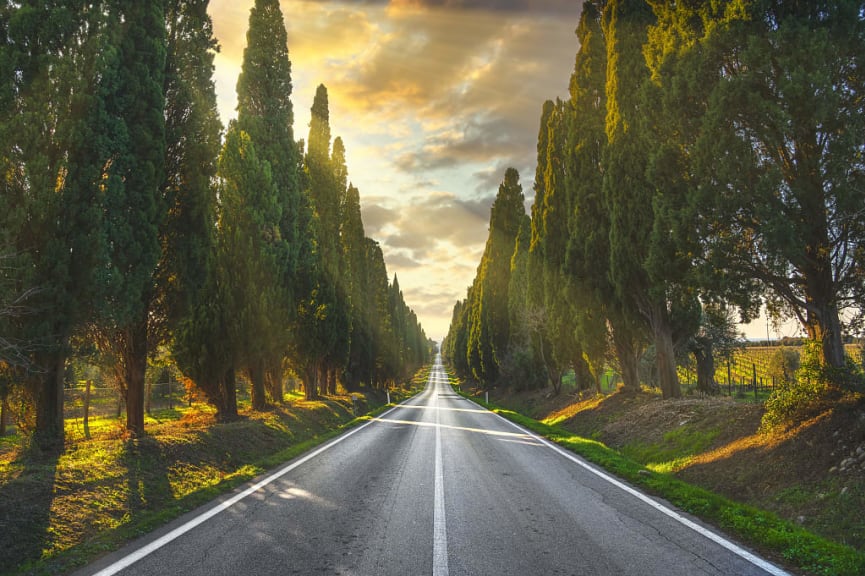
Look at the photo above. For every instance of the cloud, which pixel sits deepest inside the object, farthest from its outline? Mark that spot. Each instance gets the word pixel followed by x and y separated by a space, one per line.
pixel 489 179
pixel 544 6
pixel 400 261
pixel 474 85
pixel 377 217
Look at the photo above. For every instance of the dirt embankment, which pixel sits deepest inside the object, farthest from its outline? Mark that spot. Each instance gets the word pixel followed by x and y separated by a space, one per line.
pixel 812 473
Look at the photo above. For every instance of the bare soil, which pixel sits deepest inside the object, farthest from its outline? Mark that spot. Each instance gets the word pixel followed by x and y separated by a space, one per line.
pixel 812 473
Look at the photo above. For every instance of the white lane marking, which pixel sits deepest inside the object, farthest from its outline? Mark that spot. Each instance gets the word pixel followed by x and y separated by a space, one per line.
pixel 437 424
pixel 137 555
pixel 440 535
pixel 717 538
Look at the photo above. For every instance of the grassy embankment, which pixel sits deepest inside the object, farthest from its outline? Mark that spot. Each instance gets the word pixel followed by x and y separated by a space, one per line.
pixel 651 466
pixel 65 510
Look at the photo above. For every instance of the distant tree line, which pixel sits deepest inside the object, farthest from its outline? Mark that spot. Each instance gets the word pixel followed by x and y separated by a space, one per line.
pixel 129 220
pixel 710 160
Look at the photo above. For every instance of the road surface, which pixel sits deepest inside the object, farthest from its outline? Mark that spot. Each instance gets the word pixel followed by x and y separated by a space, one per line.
pixel 436 486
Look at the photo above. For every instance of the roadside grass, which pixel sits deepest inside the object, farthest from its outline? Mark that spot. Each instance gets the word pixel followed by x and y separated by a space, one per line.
pixel 68 509
pixel 776 538
pixel 675 451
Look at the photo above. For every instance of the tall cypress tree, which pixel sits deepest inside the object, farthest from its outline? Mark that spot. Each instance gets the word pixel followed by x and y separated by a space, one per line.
pixel 379 313
pixel 53 131
pixel 358 367
pixel 588 252
pixel 628 192
pixel 326 195
pixel 248 258
pixel 489 335
pixel 549 245
pixel 523 368
pixel 189 304
pixel 265 114
pixel 134 210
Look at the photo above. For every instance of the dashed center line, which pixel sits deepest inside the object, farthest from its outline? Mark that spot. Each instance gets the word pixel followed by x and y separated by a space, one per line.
pixel 440 536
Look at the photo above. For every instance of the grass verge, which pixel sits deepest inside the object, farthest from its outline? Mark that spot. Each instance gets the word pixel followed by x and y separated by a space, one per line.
pixel 776 538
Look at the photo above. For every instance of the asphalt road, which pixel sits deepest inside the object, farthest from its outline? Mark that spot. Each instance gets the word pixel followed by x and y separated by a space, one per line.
pixel 435 486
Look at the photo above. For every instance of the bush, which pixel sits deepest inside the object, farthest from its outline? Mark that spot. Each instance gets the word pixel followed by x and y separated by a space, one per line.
pixel 787 404
pixel 521 370
pixel 783 364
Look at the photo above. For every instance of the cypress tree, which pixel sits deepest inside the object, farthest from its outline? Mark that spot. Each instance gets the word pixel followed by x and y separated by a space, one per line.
pixel 628 193
pixel 265 114
pixel 523 367
pixel 326 195
pixel 379 313
pixel 489 334
pixel 588 252
pixel 134 211
pixel 549 244
pixel 51 157
pixel 189 302
pixel 354 247
pixel 249 255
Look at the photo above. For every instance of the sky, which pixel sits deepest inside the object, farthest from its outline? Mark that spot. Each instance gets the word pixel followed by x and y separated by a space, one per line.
pixel 433 99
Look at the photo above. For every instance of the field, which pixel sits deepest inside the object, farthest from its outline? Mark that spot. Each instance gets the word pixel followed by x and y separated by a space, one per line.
pixel 750 364
pixel 735 377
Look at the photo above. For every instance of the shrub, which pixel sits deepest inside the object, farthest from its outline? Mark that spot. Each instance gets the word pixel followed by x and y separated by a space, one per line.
pixel 788 404
pixel 783 364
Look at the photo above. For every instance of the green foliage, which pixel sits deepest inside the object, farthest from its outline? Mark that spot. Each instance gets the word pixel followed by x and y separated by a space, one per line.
pixel 489 331
pixel 193 132
pixel 783 365
pixel 190 310
pixel 136 172
pixel 675 448
pixel 331 324
pixel 789 404
pixel 778 137
pixel 54 137
pixel 250 246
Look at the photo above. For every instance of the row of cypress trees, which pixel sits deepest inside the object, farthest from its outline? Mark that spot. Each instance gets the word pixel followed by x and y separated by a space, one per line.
pixel 708 161
pixel 130 221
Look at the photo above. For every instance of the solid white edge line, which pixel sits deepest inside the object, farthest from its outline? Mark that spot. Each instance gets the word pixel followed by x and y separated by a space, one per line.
pixel 440 537
pixel 148 549
pixel 714 537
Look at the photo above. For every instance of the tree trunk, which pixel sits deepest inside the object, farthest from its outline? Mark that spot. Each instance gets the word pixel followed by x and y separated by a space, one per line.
pixel 274 386
pixel 87 409
pixel 49 402
pixel 705 357
pixel 4 415
pixel 582 373
pixel 148 396
pixel 257 392
pixel 626 353
pixel 310 383
pixel 332 382
pixel 557 381
pixel 226 407
pixel 825 327
pixel 665 355
pixel 135 361
pixel 547 365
